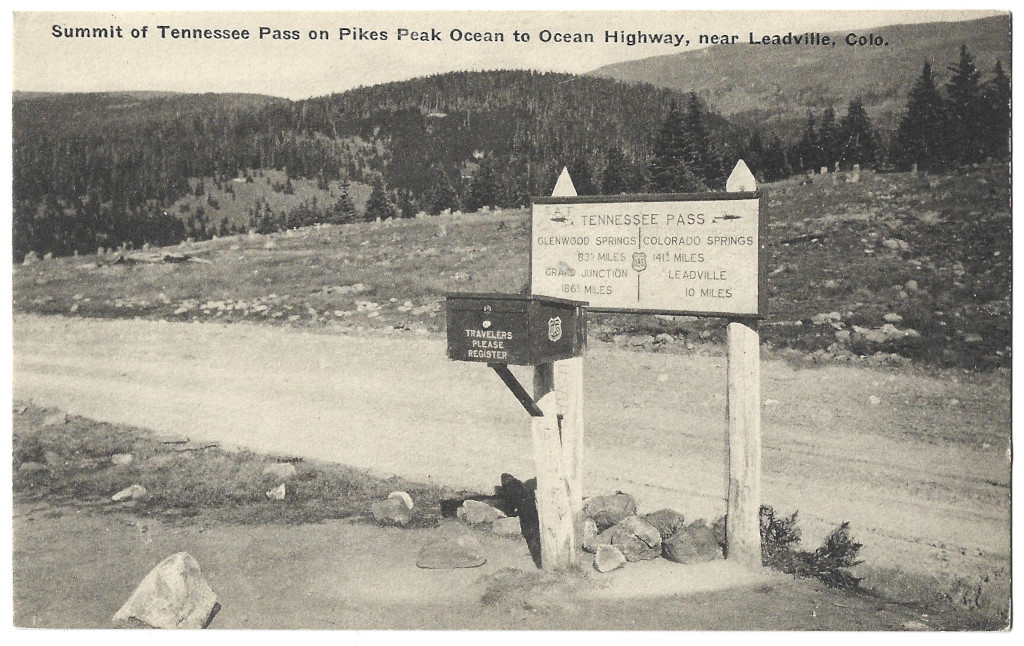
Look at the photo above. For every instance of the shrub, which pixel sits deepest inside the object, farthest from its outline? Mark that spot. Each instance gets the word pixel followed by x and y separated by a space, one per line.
pixel 780 538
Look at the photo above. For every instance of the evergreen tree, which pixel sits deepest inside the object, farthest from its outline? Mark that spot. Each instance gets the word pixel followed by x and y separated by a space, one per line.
pixel 857 136
pixel 615 178
pixel 920 137
pixel 808 148
pixel 828 138
pixel 668 171
pixel 995 136
pixel 379 206
pixel 483 188
pixel 407 206
pixel 442 193
pixel 776 161
pixel 753 154
pixel 344 210
pixel 964 109
pixel 701 153
pixel 579 171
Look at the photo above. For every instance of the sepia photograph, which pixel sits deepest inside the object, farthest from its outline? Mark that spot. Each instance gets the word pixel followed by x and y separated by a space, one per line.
pixel 511 320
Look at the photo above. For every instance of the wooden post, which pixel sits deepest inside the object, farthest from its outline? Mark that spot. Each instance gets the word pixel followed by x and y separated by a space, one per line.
pixel 558 449
pixel 743 530
pixel 569 389
pixel 557 520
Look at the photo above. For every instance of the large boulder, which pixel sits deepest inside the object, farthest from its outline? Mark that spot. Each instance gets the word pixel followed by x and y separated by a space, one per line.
pixel 637 539
pixel 173 595
pixel 695 543
pixel 609 510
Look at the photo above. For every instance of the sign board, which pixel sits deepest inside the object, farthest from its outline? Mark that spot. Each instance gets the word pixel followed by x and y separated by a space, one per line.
pixel 515 329
pixel 696 254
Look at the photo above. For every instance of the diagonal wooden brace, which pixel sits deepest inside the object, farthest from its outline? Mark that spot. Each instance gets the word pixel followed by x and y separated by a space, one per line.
pixel 517 389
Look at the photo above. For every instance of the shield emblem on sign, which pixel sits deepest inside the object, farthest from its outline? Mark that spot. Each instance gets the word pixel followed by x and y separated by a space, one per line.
pixel 639 261
pixel 555 328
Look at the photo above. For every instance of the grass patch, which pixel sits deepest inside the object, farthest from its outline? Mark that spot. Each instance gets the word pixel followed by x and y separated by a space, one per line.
pixel 72 463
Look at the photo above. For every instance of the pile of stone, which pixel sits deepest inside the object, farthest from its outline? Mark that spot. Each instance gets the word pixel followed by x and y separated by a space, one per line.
pixel 612 529
pixel 616 534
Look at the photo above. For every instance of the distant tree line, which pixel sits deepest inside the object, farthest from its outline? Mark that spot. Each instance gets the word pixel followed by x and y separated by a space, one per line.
pixel 965 121
pixel 104 170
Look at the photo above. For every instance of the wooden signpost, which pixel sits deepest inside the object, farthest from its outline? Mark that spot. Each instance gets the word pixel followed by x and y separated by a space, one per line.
pixel 687 254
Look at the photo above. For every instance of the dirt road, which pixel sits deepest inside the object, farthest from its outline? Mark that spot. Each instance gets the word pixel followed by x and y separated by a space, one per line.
pixel 918 463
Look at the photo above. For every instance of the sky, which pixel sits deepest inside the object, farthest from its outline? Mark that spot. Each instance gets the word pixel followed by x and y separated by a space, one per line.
pixel 305 67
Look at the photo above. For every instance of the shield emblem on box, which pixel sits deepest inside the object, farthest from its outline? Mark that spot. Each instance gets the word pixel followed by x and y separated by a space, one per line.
pixel 639 261
pixel 555 328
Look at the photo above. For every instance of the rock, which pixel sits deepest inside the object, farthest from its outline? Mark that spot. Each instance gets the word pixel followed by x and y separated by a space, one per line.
pixel 608 558
pixel 55 419
pixel 637 539
pixel 447 554
pixel 911 285
pixel 892 317
pixel 664 338
pixel 609 510
pixel 174 594
pixel 666 521
pixel 972 337
pixel 404 497
pixel 392 511
pixel 507 526
pixel 896 244
pixel 134 492
pixel 475 512
pixel 31 468
pixel 695 543
pixel 590 543
pixel 643 530
pixel 875 401
pixel 277 493
pixel 280 470
pixel 829 317
pixel 30 258
pixel 121 459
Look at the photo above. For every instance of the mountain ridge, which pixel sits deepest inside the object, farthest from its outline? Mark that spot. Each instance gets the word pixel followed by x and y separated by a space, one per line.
pixel 773 86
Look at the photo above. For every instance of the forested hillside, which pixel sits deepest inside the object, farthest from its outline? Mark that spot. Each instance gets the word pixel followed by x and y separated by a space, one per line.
pixel 104 169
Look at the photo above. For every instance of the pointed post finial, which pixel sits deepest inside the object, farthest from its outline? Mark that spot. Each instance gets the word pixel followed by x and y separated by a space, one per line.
pixel 741 179
pixel 564 186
